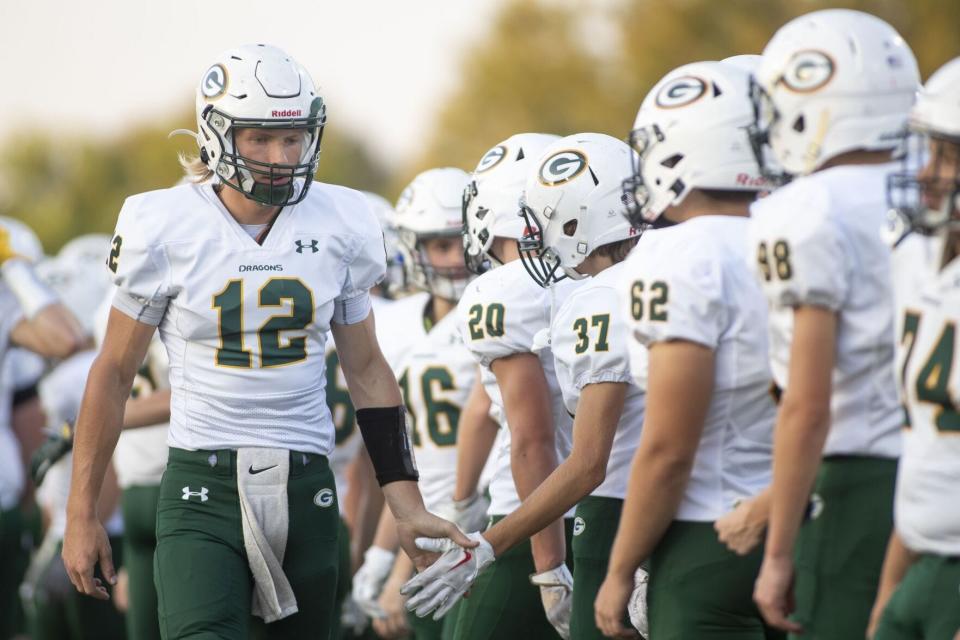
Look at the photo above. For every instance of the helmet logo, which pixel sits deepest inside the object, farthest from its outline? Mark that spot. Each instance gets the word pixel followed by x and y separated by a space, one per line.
pixel 808 71
pixel 491 158
pixel 561 167
pixel 214 82
pixel 680 92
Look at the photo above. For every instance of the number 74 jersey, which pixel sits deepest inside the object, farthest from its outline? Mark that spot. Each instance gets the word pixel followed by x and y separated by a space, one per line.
pixel 928 485
pixel 245 324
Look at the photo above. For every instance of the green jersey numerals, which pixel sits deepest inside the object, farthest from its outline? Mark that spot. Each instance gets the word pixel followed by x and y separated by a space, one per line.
pixel 442 416
pixel 338 401
pixel 486 321
pixel 650 303
pixel 580 326
pixel 933 380
pixel 114 256
pixel 779 265
pixel 274 351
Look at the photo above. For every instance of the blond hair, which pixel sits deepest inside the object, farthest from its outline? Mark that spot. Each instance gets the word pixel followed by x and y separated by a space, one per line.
pixel 194 168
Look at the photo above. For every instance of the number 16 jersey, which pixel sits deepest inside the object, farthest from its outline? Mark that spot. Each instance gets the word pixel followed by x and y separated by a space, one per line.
pixel 245 324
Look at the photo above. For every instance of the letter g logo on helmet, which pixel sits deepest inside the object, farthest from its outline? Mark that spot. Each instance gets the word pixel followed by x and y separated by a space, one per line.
pixel 808 71
pixel 680 92
pixel 491 158
pixel 214 82
pixel 562 167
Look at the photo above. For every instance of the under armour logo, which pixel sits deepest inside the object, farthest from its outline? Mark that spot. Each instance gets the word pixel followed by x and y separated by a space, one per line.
pixel 312 246
pixel 202 494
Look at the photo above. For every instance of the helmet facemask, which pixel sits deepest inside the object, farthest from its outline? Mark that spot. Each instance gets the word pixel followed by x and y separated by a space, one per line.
pixel 765 116
pixel 476 237
pixel 542 263
pixel 240 173
pixel 924 196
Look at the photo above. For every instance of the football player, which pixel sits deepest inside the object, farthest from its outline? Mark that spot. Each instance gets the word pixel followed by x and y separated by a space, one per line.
pixel 921 575
pixel 499 315
pixel 577 230
pixel 693 304
pixel 245 271
pixel 832 95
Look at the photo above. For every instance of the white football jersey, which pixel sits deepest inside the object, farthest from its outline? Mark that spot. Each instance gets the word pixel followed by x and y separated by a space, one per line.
pixel 927 511
pixel 436 377
pixel 589 337
pixel 245 325
pixel 817 242
pixel 692 282
pixel 500 314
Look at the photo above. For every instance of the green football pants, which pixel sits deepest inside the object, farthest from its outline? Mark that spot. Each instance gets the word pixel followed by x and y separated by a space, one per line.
pixel 594 528
pixel 841 547
pixel 700 590
pixel 139 505
pixel 926 605
pixel 202 576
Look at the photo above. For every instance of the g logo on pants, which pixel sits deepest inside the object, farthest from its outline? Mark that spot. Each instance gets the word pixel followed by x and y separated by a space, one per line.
pixel 324 498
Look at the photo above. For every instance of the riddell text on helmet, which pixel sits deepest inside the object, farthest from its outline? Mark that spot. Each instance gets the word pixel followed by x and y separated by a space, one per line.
pixel 286 113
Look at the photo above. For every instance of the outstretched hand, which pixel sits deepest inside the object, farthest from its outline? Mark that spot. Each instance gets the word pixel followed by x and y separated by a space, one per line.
pixel 437 588
pixel 424 524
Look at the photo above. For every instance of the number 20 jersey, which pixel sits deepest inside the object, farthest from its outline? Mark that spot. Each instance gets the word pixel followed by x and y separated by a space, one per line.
pixel 244 324
pixel 817 241
pixel 927 511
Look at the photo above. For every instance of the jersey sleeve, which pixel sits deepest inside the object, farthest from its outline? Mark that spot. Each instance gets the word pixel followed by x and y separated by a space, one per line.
pixel 499 317
pixel 799 251
pixel 366 268
pixel 590 337
pixel 139 266
pixel 678 296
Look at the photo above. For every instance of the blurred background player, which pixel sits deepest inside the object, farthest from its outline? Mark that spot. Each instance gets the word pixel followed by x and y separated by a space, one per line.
pixel 917 599
pixel 696 309
pixel 832 95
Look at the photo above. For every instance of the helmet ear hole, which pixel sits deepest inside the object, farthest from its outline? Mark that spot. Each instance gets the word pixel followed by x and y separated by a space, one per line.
pixel 799 124
pixel 204 156
pixel 570 227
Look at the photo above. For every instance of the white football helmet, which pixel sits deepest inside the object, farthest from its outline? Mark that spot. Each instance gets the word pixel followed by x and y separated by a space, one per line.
pixel 490 201
pixel 830 82
pixel 393 281
pixel 926 191
pixel 573 203
pixel 81 286
pixel 23 240
pixel 258 86
pixel 90 249
pixel 430 207
pixel 691 133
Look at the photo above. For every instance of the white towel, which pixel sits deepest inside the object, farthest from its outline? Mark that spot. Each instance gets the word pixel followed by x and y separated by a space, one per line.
pixel 262 484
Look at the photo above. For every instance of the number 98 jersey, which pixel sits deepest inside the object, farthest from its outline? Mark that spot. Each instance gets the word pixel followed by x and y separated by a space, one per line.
pixel 817 242
pixel 244 324
pixel 928 480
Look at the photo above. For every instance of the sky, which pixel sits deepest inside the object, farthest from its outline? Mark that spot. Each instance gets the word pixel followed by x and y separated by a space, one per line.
pixel 383 66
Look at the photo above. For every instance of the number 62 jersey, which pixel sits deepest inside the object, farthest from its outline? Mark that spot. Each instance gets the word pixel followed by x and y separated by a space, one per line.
pixel 245 324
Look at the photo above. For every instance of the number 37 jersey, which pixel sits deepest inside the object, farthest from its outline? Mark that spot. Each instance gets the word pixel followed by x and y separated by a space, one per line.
pixel 244 324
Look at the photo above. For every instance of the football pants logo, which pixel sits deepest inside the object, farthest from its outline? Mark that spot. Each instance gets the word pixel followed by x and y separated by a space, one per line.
pixel 214 82
pixel 202 494
pixel 578 525
pixel 562 167
pixel 491 158
pixel 324 498
pixel 680 92
pixel 312 246
pixel 808 71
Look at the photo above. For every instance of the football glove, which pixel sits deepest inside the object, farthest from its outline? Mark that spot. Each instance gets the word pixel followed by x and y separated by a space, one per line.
pixel 470 514
pixel 369 579
pixel 556 593
pixel 439 587
pixel 58 444
pixel 637 605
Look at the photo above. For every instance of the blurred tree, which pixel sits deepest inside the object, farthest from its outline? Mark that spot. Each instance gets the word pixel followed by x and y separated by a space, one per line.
pixel 64 186
pixel 540 69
